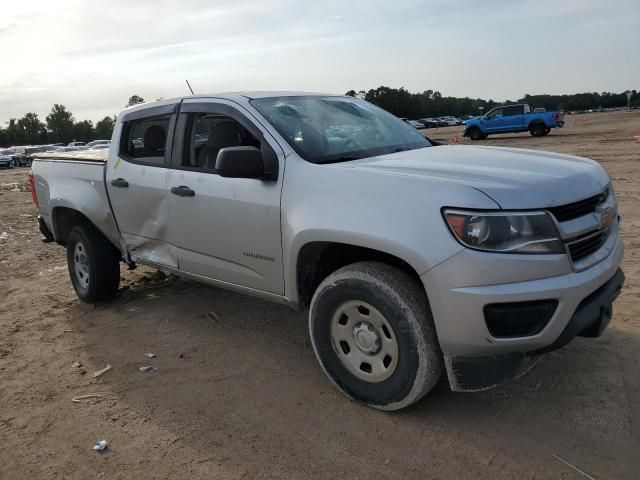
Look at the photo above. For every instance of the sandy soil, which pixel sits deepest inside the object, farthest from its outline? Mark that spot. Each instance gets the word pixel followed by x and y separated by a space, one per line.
pixel 238 392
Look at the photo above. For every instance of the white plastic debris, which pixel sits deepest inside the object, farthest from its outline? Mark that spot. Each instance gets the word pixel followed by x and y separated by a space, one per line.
pixel 100 446
pixel 84 397
pixel 149 355
pixel 100 372
pixel 147 368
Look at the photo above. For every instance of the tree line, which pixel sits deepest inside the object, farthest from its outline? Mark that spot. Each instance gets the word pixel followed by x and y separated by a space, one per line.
pixel 430 103
pixel 59 126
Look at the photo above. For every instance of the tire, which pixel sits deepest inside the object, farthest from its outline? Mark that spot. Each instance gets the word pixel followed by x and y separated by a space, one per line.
pixel 94 264
pixel 546 131
pixel 537 129
pixel 474 133
pixel 383 306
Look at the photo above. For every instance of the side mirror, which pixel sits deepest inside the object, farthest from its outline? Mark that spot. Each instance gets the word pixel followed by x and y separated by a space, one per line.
pixel 240 162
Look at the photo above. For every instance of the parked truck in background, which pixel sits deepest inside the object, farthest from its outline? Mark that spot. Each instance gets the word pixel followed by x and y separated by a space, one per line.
pixel 512 119
pixel 412 259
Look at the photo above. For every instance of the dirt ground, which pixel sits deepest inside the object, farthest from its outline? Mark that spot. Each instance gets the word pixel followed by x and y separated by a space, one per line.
pixel 238 393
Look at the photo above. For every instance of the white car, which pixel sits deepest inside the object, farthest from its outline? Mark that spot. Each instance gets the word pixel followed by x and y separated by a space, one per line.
pixel 95 143
pixel 416 124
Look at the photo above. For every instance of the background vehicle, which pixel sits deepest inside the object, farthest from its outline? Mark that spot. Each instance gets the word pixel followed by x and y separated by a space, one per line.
pixel 428 122
pixel 513 118
pixel 98 142
pixel 412 259
pixel 24 155
pixel 69 149
pixel 416 124
pixel 6 161
pixel 6 152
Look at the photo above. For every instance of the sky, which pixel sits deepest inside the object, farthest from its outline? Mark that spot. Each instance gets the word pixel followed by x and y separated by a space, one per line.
pixel 92 56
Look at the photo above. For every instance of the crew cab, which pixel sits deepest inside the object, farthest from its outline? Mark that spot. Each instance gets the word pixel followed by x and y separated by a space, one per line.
pixel 513 118
pixel 412 258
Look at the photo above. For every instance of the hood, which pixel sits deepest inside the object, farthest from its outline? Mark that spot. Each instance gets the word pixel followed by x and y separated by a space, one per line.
pixel 514 178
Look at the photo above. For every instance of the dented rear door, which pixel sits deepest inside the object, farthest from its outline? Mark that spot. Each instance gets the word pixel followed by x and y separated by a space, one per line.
pixel 136 180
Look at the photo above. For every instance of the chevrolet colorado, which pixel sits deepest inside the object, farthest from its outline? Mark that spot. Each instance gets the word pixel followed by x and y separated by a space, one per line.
pixel 412 258
pixel 511 119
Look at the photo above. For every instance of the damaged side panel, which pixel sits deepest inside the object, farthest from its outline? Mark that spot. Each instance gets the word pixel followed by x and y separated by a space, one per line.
pixel 142 211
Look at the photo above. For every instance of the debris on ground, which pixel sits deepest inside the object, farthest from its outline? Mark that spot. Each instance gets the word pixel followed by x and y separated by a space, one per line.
pixel 76 365
pixel 149 355
pixel 84 397
pixel 100 446
pixel 574 467
pixel 100 372
pixel 147 368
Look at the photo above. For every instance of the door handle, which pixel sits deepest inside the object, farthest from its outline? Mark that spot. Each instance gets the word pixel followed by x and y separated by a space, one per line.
pixel 183 191
pixel 120 183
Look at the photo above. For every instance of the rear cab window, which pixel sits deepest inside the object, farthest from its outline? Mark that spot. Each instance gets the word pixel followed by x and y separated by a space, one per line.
pixel 514 110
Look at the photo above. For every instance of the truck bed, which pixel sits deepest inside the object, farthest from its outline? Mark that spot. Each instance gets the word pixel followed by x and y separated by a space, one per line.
pixel 74 180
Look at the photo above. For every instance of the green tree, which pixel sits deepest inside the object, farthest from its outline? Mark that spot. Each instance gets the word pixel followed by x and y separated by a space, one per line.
pixel 15 133
pixel 83 131
pixel 104 128
pixel 134 100
pixel 35 132
pixel 60 124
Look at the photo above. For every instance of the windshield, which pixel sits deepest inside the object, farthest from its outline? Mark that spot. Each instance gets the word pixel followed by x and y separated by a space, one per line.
pixel 334 129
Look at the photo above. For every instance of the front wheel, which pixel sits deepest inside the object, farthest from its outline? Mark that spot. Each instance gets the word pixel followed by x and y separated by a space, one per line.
pixel 373 334
pixel 94 264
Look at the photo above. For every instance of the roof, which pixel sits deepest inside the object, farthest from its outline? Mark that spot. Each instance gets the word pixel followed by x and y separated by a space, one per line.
pixel 243 95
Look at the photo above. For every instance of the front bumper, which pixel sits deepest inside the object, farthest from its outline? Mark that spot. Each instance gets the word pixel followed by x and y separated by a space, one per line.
pixel 590 319
pixel 460 287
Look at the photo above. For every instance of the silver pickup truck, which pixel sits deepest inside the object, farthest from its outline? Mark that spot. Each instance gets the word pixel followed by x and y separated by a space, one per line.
pixel 412 258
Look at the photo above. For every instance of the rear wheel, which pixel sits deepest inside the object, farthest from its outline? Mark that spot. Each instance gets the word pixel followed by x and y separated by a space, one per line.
pixel 373 334
pixel 474 133
pixel 94 264
pixel 538 129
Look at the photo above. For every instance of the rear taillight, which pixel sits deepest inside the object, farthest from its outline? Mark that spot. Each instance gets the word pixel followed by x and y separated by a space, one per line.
pixel 32 186
pixel 556 116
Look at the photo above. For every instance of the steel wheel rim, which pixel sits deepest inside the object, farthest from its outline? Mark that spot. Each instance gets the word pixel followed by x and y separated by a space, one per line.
pixel 81 265
pixel 364 341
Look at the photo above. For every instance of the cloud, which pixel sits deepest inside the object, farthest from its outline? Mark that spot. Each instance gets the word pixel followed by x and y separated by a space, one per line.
pixel 91 56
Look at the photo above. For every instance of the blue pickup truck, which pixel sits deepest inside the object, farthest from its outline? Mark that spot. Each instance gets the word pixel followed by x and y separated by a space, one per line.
pixel 513 118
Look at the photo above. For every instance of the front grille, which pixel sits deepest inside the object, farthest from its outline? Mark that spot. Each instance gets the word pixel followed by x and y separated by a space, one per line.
pixel 578 209
pixel 586 245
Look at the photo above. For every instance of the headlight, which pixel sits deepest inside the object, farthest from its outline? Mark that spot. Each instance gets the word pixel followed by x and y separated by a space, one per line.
pixel 505 232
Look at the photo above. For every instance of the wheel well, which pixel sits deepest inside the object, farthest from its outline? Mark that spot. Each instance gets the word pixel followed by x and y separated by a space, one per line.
pixel 317 260
pixel 64 219
pixel 536 122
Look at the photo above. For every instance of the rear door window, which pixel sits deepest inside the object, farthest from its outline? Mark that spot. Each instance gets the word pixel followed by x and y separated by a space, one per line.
pixel 145 140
